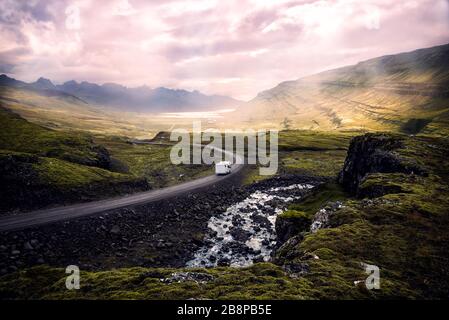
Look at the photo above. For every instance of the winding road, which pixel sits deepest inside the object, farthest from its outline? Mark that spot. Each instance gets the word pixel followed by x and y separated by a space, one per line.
pixel 45 216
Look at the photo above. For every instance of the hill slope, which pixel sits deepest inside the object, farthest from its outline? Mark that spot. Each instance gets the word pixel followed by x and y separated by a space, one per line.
pixel 406 92
pixel 40 167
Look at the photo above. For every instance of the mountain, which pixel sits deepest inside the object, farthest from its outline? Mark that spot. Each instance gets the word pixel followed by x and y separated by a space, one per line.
pixel 387 92
pixel 10 82
pixel 142 99
pixel 42 84
pixel 146 99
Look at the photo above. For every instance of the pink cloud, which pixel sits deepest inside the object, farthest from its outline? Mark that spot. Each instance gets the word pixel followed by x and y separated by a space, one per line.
pixel 225 47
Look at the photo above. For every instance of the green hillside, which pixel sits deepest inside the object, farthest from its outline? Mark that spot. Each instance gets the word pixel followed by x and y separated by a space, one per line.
pixel 406 92
pixel 39 166
pixel 22 136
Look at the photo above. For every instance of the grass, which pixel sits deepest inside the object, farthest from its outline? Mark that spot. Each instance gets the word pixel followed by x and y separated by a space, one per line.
pixel 296 140
pixel 22 136
pixel 41 167
pixel 263 280
pixel 401 228
pixel 31 182
pixel 367 96
pixel 329 192
pixel 308 153
pixel 68 115
pixel 152 162
pixel 61 173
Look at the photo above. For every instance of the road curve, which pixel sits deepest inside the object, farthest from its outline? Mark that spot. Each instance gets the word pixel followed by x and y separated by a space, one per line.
pixel 46 216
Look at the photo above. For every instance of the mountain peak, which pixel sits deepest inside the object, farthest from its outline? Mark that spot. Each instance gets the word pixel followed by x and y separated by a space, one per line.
pixel 70 82
pixel 42 84
pixel 8 81
pixel 43 80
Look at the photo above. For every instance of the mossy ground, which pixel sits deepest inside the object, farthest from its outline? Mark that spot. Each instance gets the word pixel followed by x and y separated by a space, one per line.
pixel 261 281
pixel 308 153
pixel 328 192
pixel 19 135
pixel 152 162
pixel 403 232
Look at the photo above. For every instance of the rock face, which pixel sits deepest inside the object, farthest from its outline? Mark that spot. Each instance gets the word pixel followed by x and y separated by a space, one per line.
pixel 322 217
pixel 373 153
pixel 288 226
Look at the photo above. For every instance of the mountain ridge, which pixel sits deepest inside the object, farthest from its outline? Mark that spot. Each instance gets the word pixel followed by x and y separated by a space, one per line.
pixel 381 93
pixel 140 99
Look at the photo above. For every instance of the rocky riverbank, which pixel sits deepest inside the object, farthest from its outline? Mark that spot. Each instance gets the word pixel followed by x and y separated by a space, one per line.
pixel 245 233
pixel 160 234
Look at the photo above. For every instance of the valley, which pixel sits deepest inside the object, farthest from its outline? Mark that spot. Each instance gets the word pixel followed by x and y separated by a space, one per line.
pixel 362 180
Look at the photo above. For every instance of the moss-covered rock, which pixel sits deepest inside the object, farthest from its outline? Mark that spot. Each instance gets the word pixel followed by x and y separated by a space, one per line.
pixel 374 153
pixel 30 182
pixel 290 223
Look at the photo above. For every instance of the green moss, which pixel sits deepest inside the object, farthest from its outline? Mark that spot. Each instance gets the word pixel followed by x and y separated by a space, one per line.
pixel 294 140
pixel 19 135
pixel 153 162
pixel 307 153
pixel 65 174
pixel 260 281
pixel 328 192
pixel 40 167
pixel 403 232
pixel 293 214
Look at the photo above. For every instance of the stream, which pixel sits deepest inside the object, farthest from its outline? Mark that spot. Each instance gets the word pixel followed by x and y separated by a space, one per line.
pixel 245 232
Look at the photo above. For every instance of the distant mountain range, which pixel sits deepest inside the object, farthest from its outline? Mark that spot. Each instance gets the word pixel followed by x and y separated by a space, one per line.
pixel 141 99
pixel 380 93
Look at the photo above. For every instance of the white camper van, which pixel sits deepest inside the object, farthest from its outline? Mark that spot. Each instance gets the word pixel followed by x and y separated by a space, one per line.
pixel 222 167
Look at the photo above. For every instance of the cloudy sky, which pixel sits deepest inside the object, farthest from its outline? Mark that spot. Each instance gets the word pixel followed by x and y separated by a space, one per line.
pixel 228 47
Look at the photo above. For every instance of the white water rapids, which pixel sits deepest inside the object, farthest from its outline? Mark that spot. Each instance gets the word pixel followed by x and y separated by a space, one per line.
pixel 245 232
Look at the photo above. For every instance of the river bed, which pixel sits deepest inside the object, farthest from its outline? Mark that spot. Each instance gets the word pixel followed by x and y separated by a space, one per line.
pixel 245 232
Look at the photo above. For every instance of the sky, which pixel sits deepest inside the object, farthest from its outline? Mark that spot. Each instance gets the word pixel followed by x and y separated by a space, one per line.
pixel 228 47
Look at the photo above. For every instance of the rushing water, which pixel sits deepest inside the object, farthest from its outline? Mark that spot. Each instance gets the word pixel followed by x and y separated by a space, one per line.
pixel 245 232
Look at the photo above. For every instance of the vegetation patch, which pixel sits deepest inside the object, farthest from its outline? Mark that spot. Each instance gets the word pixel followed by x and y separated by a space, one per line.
pixel 152 162
pixel 414 126
pixel 307 153
pixel 328 192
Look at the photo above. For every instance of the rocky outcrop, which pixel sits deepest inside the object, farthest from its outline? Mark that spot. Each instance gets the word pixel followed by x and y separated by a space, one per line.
pixel 24 189
pixel 322 217
pixel 373 153
pixel 289 224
